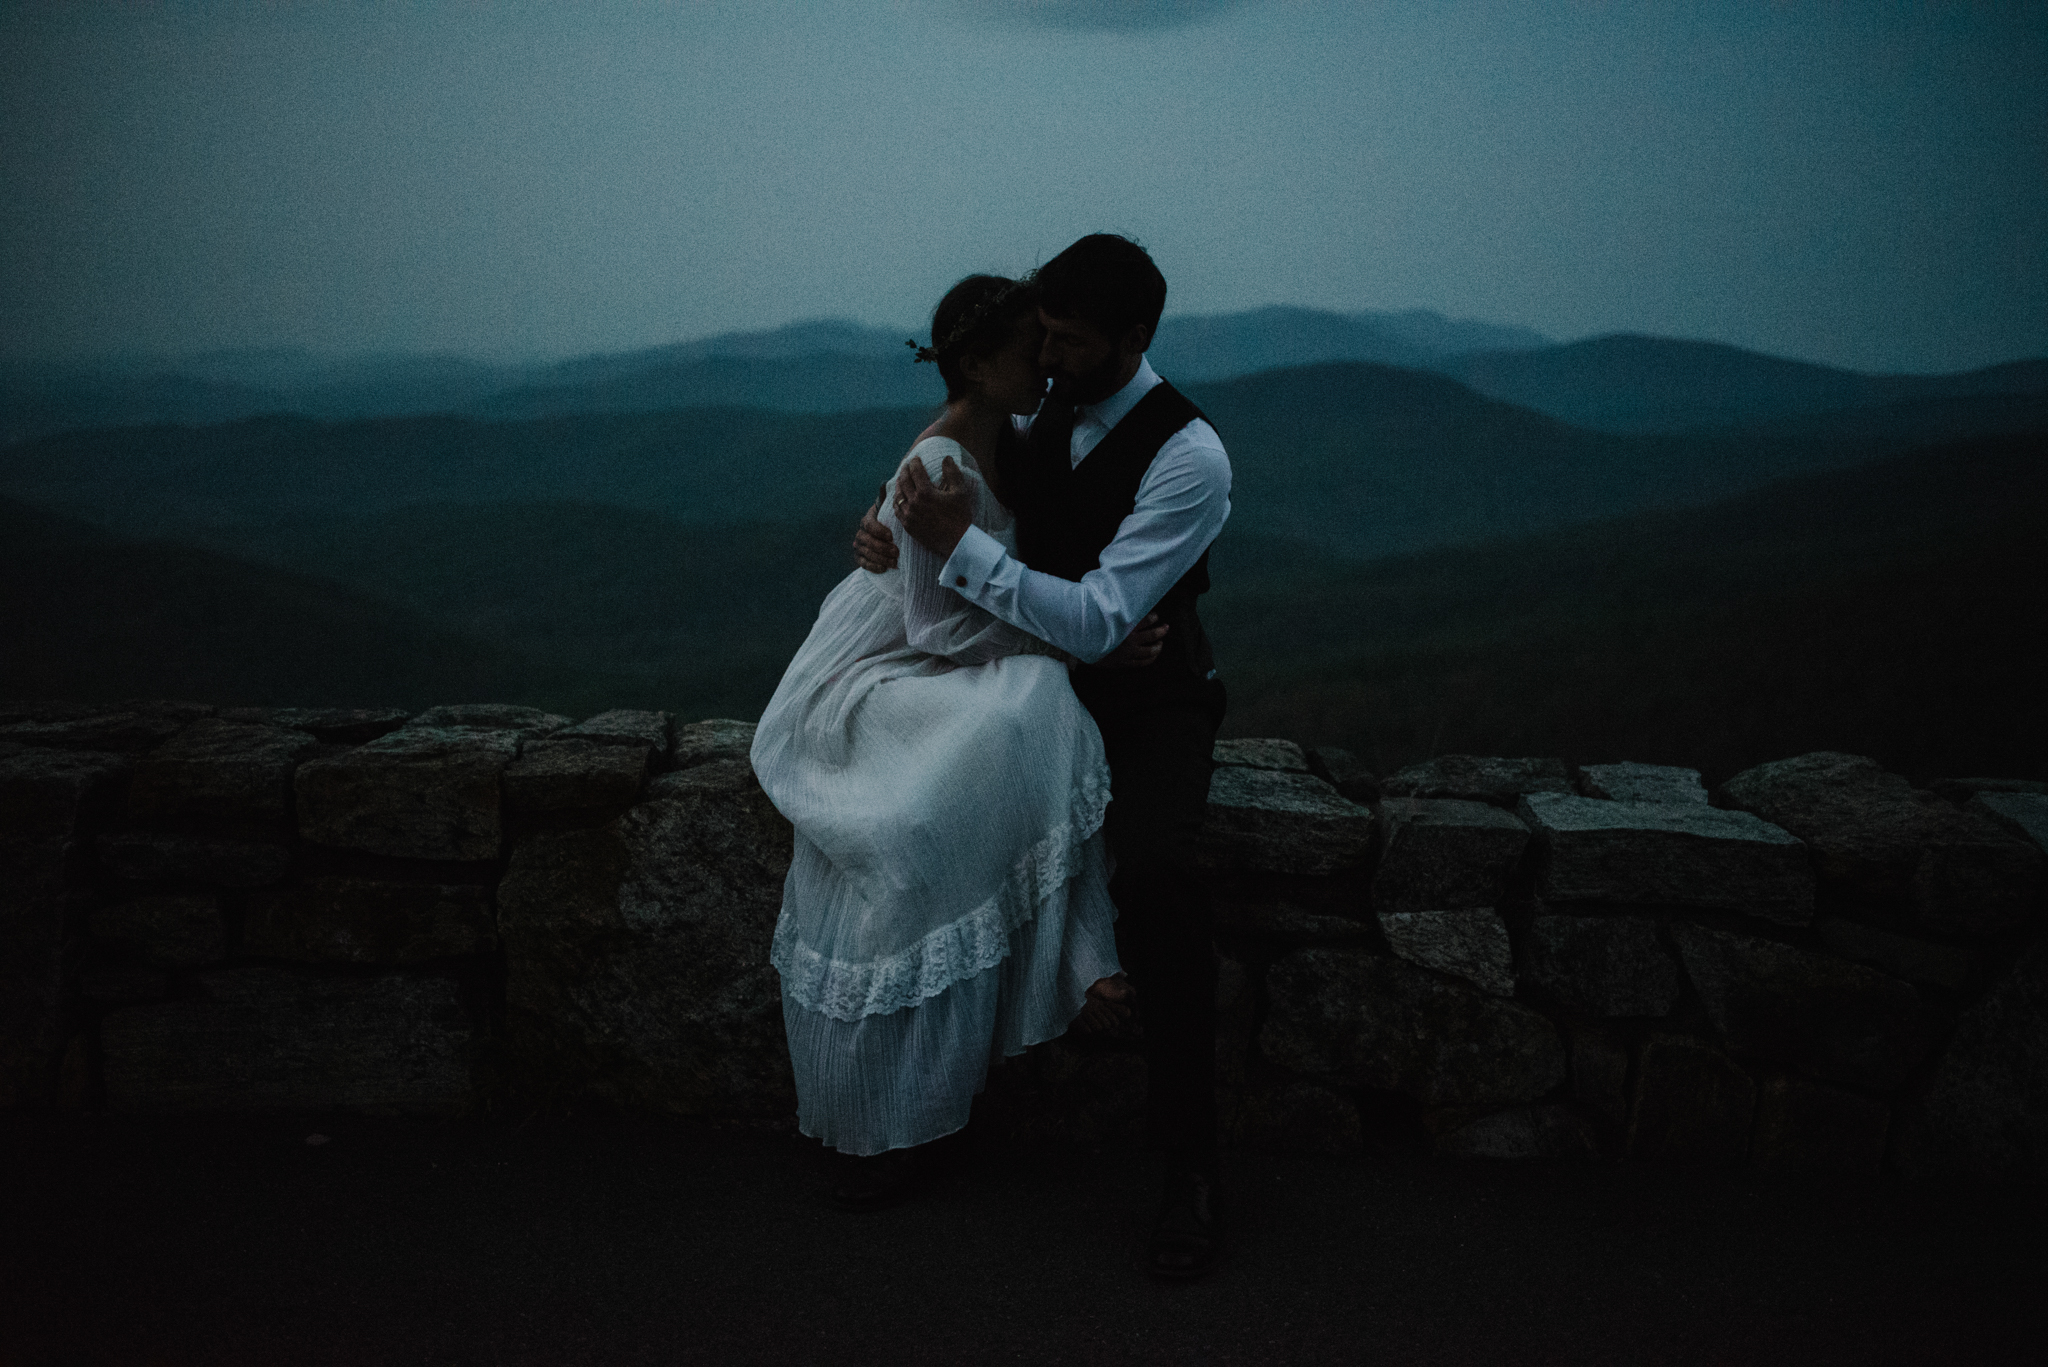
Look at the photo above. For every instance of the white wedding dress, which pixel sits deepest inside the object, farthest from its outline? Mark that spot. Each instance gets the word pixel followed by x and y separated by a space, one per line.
pixel 948 901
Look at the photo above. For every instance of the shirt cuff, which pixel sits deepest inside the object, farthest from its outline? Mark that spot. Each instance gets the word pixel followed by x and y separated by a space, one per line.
pixel 968 570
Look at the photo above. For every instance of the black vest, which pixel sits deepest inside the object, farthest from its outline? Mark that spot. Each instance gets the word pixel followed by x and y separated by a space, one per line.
pixel 1068 514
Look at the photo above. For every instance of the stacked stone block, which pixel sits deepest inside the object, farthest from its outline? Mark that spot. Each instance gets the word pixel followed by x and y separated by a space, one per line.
pixel 247 908
pixel 1817 966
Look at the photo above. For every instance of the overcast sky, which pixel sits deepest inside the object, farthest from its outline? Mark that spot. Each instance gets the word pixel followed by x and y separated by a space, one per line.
pixel 1859 183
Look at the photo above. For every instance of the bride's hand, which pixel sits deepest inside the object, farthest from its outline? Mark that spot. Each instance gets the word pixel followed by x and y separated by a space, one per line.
pixel 1107 1005
pixel 874 548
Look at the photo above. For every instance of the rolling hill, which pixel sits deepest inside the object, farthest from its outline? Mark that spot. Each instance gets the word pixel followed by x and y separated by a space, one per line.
pixel 93 617
pixel 1359 459
pixel 700 465
pixel 818 366
pixel 1891 609
pixel 1632 384
pixel 661 614
pixel 823 383
pixel 1191 349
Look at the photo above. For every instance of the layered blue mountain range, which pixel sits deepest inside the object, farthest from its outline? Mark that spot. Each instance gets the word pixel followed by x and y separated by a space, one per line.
pixel 1621 383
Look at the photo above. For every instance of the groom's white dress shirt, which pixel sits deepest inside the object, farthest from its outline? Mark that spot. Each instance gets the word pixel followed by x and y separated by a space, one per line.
pixel 1182 503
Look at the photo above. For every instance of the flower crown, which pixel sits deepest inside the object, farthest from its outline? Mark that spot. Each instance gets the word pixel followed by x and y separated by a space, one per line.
pixel 975 317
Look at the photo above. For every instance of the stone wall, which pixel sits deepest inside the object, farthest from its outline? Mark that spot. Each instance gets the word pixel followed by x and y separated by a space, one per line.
pixel 488 908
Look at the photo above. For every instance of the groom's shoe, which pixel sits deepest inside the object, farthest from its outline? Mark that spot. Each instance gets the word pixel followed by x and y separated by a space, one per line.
pixel 1188 1232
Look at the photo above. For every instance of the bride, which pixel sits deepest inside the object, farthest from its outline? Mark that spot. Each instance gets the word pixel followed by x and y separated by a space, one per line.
pixel 948 901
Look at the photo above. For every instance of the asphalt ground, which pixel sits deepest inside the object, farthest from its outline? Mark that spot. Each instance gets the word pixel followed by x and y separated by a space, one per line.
pixel 627 1240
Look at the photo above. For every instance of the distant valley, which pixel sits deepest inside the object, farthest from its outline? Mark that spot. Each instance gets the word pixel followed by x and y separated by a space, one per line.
pixel 1892 608
pixel 1620 548
pixel 1359 459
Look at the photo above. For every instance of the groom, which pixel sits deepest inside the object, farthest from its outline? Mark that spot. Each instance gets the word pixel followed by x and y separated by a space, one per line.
pixel 1119 488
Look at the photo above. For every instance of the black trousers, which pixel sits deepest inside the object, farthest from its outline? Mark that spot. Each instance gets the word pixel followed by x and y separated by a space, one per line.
pixel 1159 764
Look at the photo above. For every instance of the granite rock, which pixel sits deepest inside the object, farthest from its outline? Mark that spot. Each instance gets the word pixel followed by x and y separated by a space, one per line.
pixel 626 726
pixel 1802 1125
pixel 710 741
pixel 1286 922
pixel 1684 855
pixel 174 932
pixel 334 725
pixel 1370 1020
pixel 155 857
pixel 1469 943
pixel 1437 853
pixel 262 1038
pixel 637 955
pixel 1837 1021
pixel 1283 755
pixel 1961 790
pixel 561 774
pixel 224 775
pixel 59 710
pixel 525 722
pixel 1986 1110
pixel 369 921
pixel 418 793
pixel 2021 814
pixel 1282 823
pixel 1642 783
pixel 179 710
pixel 1551 1131
pixel 120 732
pixel 1875 836
pixel 1345 772
pixel 711 776
pixel 1916 961
pixel 1479 778
pixel 1691 1104
pixel 1602 965
pixel 60 792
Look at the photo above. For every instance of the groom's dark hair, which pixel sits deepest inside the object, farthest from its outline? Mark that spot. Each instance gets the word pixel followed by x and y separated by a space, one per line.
pixel 1107 280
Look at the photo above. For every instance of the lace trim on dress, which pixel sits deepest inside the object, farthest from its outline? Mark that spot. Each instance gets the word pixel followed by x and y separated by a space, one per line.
pixel 959 949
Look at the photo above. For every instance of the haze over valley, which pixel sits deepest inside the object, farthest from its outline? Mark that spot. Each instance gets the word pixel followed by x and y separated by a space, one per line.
pixel 1595 548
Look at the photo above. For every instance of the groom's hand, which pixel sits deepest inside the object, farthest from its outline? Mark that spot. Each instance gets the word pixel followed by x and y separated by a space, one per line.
pixel 1140 648
pixel 938 515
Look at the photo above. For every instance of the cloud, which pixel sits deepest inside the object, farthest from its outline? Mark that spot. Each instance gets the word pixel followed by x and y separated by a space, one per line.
pixel 1108 16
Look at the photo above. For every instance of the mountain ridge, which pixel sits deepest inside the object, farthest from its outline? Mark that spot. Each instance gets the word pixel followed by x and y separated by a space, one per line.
pixel 1621 382
pixel 1633 384
pixel 1360 458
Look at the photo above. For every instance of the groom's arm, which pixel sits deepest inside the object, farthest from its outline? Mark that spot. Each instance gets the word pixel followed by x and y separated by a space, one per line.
pixel 1182 504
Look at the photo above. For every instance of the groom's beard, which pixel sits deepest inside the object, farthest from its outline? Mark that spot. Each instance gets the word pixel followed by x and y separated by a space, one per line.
pixel 1091 386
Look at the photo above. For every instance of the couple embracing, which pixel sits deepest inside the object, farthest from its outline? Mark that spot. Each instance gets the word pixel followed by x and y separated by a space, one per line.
pixel 995 744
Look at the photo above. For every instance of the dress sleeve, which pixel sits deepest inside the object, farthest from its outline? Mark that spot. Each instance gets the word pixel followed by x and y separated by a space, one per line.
pixel 938 621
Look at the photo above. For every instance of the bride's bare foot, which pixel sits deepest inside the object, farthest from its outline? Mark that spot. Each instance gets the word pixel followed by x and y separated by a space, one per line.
pixel 1108 1005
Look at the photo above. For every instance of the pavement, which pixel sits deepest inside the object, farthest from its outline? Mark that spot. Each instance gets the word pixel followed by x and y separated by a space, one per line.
pixel 625 1240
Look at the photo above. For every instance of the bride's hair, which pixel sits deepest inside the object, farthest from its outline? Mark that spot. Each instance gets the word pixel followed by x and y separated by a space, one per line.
pixel 975 319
